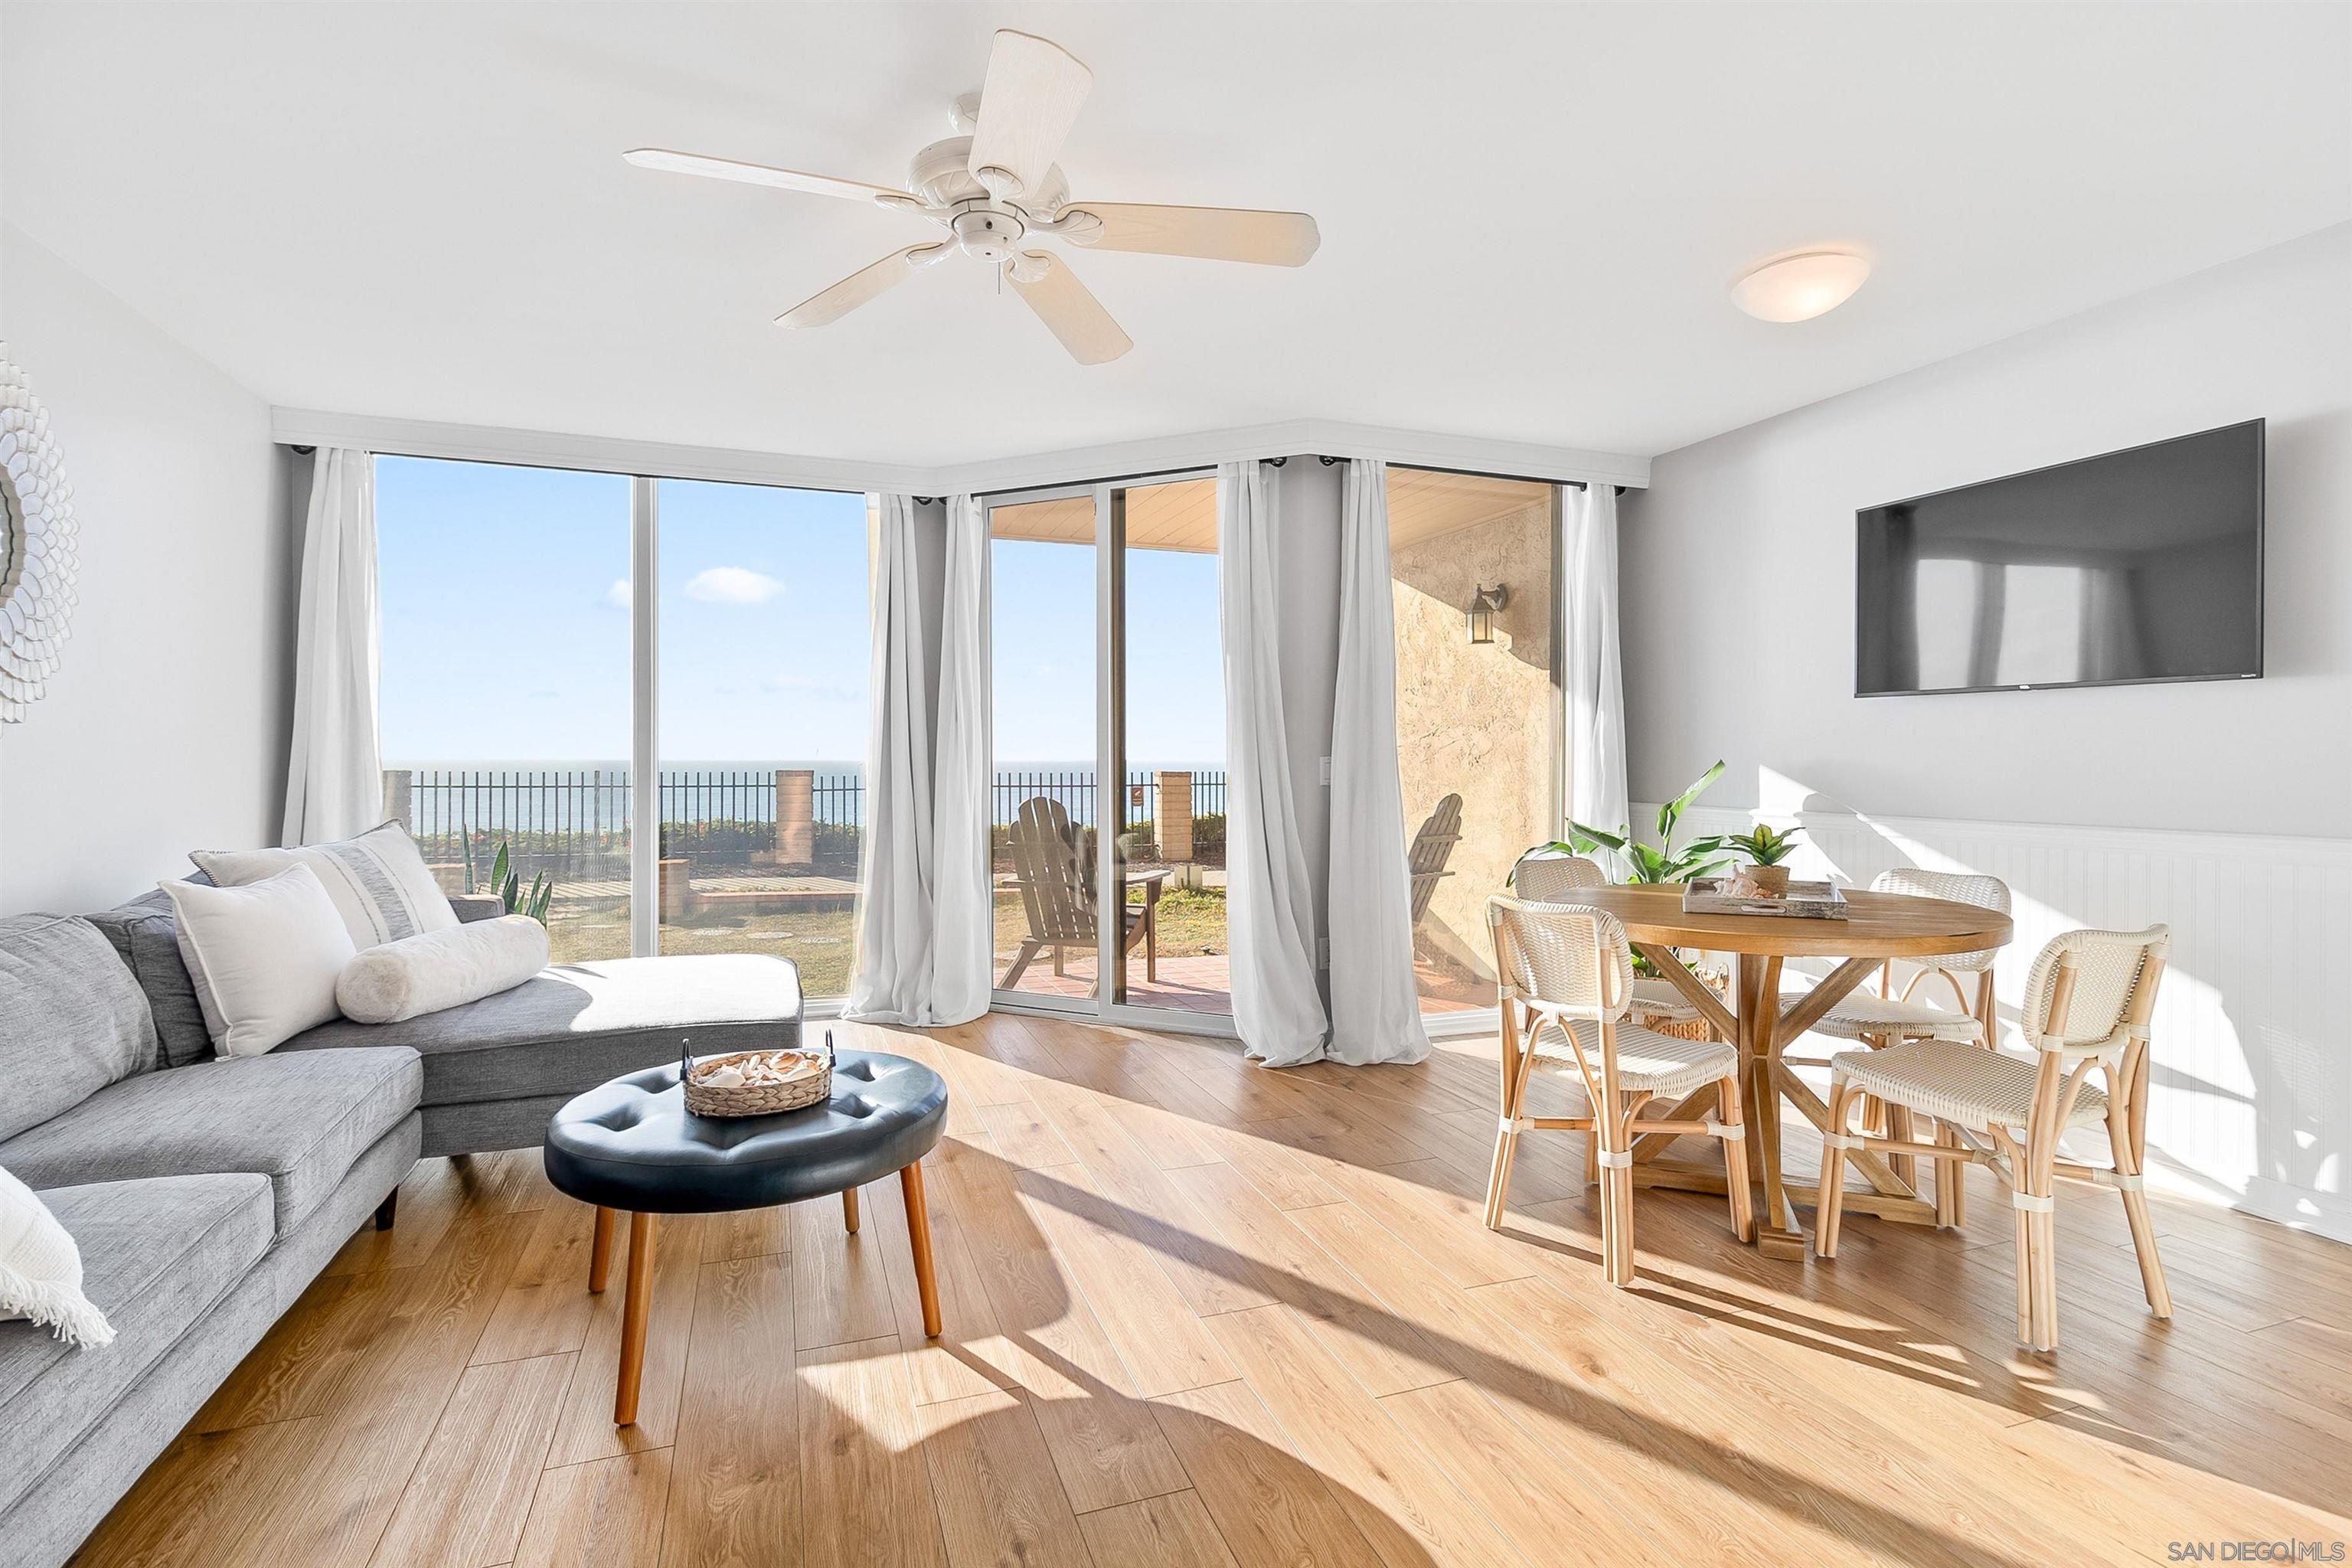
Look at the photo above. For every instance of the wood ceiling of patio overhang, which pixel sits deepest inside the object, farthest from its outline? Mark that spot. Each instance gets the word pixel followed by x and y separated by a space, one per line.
pixel 1183 516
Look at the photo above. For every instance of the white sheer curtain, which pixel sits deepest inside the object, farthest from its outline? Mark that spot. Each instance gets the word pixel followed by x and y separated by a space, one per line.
pixel 895 915
pixel 963 933
pixel 1269 907
pixel 1375 1011
pixel 334 771
pixel 1596 682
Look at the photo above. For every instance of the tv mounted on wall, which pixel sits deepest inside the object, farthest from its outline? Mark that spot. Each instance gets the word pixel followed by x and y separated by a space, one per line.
pixel 2140 565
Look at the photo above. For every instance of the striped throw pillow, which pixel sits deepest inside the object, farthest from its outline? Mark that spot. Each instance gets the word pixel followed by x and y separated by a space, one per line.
pixel 377 882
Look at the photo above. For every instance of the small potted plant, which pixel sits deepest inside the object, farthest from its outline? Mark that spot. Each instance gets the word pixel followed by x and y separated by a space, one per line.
pixel 1767 846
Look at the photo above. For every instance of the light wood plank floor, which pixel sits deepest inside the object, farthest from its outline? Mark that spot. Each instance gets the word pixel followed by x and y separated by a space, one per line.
pixel 1201 1314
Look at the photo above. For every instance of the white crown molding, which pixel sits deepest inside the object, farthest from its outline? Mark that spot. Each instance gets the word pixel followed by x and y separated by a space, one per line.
pixel 538 449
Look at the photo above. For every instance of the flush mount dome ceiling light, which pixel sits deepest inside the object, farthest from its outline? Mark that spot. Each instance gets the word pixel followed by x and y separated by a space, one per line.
pixel 1799 286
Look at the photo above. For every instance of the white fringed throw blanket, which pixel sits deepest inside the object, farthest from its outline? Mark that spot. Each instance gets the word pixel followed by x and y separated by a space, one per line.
pixel 40 1270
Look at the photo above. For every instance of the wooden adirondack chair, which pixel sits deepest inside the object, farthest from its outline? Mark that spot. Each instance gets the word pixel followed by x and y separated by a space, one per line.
pixel 1432 847
pixel 1058 892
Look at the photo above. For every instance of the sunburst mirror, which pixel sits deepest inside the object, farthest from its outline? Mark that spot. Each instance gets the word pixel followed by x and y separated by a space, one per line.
pixel 37 546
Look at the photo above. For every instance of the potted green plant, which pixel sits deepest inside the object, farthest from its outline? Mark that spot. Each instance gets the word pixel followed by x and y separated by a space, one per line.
pixel 1664 861
pixel 1766 847
pixel 1661 862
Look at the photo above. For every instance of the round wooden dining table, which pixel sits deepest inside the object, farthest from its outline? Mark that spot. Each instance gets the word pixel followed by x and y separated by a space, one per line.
pixel 1877 927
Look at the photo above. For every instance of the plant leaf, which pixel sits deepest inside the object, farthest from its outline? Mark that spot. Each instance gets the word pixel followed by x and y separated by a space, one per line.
pixel 1671 813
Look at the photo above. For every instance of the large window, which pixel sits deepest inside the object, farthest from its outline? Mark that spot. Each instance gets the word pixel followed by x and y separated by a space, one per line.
pixel 509 703
pixel 1477 725
pixel 505 693
pixel 763 717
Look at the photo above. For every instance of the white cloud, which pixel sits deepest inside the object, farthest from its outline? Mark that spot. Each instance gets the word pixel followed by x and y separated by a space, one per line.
pixel 617 595
pixel 732 586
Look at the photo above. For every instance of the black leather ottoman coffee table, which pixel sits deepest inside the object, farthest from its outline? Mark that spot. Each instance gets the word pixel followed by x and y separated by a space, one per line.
pixel 631 1146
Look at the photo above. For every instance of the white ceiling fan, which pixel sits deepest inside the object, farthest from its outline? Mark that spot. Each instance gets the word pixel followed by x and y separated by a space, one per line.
pixel 995 184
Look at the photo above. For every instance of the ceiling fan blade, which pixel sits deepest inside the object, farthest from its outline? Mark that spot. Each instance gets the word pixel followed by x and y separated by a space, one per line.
pixel 671 162
pixel 865 284
pixel 1026 106
pixel 1068 308
pixel 1218 234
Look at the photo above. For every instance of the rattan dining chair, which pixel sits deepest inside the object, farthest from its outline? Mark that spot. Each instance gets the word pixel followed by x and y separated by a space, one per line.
pixel 1887 1019
pixel 2088 999
pixel 1557 879
pixel 1565 979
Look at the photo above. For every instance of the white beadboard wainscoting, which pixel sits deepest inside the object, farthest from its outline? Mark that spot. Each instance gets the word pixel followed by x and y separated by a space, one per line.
pixel 2251 1100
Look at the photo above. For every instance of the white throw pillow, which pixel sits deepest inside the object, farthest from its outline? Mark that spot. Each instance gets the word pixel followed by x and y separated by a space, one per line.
pixel 40 1270
pixel 441 968
pixel 264 958
pixel 377 880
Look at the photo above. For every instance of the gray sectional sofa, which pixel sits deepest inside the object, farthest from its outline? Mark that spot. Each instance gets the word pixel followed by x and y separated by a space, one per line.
pixel 205 1195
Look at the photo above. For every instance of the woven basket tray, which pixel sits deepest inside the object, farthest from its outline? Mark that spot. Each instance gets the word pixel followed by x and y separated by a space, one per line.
pixel 755 1098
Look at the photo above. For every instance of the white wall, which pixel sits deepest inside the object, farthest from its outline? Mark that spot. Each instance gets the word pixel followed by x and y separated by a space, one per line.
pixel 1739 573
pixel 165 729
pixel 2223 808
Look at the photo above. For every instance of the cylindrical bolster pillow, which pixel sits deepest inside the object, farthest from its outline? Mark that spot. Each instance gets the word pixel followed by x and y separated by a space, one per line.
pixel 437 968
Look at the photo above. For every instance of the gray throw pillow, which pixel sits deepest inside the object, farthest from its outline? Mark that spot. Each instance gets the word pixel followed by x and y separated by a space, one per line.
pixel 71 1018
pixel 146 937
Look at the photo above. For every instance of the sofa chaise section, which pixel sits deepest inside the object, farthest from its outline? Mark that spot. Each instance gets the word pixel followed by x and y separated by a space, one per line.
pixel 496 1069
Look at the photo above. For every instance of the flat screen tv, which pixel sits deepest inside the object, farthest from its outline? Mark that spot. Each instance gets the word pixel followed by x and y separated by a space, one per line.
pixel 2140 565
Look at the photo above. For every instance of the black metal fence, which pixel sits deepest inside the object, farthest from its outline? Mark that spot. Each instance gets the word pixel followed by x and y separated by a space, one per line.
pixel 573 823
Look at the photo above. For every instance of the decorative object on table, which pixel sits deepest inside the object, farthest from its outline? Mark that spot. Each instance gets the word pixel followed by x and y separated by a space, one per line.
pixel 1766 847
pixel 40 1270
pixel 634 1147
pixel 756 1083
pixel 38 564
pixel 377 882
pixel 1734 896
pixel 435 971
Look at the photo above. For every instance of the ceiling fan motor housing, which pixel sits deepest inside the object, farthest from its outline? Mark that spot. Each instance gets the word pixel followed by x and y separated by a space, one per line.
pixel 987 231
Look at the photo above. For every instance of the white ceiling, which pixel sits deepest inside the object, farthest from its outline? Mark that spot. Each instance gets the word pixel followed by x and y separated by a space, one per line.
pixel 1530 212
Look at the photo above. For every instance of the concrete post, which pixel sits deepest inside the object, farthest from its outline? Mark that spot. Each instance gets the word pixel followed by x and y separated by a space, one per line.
pixel 399 798
pixel 1175 822
pixel 795 817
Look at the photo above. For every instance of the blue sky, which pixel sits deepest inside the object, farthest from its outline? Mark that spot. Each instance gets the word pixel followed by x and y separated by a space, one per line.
pixel 504 594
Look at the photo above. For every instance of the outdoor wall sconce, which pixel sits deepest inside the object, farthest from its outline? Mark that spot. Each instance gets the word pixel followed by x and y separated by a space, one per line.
pixel 1484 608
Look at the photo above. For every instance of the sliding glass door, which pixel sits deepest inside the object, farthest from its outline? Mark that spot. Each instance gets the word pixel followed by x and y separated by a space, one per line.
pixel 1473 567
pixel 1108 786
pixel 1170 728
pixel 1045 809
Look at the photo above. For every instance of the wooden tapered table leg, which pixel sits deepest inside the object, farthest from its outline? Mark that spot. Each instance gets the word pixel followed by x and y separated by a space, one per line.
pixel 634 1311
pixel 918 1234
pixel 849 1209
pixel 600 1251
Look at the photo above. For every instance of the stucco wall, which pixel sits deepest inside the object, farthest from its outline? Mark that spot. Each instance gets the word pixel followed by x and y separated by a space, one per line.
pixel 1475 721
